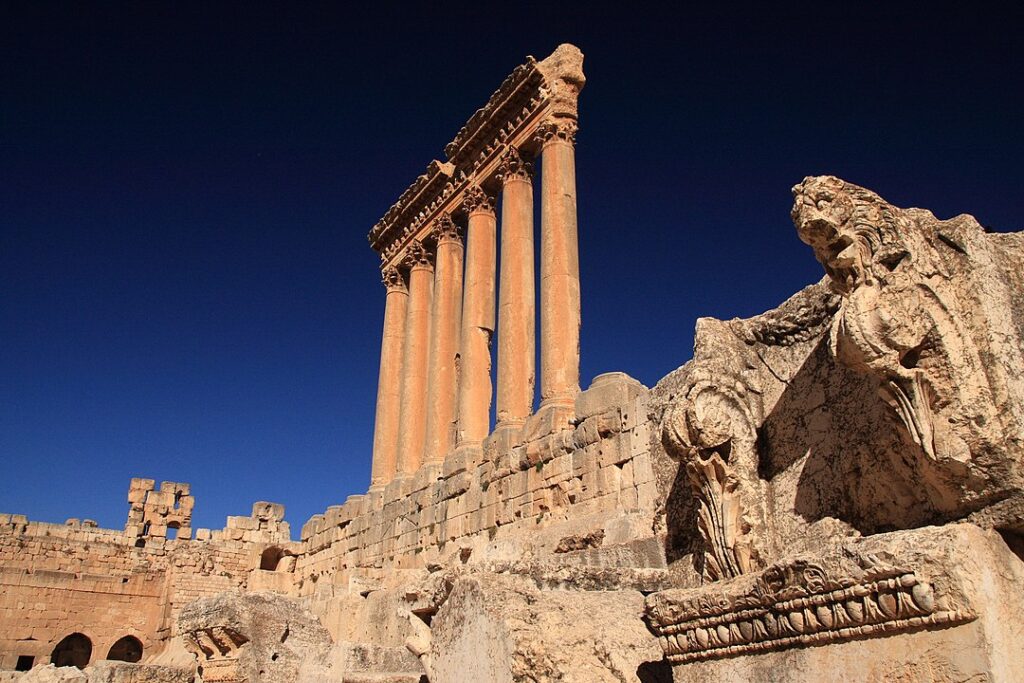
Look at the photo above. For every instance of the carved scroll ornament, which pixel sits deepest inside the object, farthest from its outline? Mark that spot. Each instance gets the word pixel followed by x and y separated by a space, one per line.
pixel 702 432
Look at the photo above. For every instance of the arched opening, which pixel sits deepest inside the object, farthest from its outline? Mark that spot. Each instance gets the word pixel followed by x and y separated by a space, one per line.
pixel 270 558
pixel 128 649
pixel 74 650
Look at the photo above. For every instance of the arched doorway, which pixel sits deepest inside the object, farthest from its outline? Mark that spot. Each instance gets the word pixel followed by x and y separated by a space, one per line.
pixel 74 650
pixel 128 649
pixel 270 558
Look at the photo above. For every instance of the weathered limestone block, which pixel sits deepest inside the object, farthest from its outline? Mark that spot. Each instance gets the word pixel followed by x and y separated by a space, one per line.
pixel 253 636
pixel 53 674
pixel 498 628
pixel 930 313
pixel 124 672
pixel 950 595
pixel 611 390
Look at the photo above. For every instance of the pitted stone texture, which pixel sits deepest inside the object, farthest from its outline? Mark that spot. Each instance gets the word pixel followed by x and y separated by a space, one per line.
pixel 494 628
pixel 254 636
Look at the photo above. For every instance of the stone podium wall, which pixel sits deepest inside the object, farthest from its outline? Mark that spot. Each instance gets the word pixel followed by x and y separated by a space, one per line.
pixel 554 486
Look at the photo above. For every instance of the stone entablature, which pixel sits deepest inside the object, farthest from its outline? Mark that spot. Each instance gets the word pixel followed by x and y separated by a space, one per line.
pixel 533 93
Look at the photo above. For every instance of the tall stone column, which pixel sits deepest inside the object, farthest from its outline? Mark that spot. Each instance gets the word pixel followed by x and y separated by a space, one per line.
pixel 516 303
pixel 559 271
pixel 413 421
pixel 385 430
pixel 445 328
pixel 474 404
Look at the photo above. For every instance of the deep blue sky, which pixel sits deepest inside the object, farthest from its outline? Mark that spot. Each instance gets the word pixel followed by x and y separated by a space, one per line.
pixel 186 291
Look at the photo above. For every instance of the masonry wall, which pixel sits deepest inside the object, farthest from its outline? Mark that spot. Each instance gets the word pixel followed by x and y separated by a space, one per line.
pixel 552 486
pixel 57 580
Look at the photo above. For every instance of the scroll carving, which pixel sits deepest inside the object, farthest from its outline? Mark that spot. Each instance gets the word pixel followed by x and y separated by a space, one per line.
pixel 393 280
pixel 714 425
pixel 476 199
pixel 797 603
pixel 514 167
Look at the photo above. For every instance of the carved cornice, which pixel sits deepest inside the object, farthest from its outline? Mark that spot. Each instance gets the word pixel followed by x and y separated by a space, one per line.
pixel 796 603
pixel 393 280
pixel 533 92
pixel 555 130
pixel 418 256
pixel 446 230
pixel 514 167
pixel 476 199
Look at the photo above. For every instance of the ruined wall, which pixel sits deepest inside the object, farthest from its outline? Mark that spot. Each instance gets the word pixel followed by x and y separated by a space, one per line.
pixel 57 580
pixel 531 496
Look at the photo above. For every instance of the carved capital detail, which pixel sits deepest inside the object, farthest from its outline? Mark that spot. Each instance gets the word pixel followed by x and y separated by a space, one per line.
pixel 418 256
pixel 393 280
pixel 553 130
pixel 514 167
pixel 446 230
pixel 477 200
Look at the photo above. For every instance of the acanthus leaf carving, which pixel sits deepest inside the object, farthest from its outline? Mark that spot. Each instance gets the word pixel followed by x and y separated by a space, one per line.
pixel 475 199
pixel 393 279
pixel 514 167
pixel 418 256
pixel 564 130
pixel 708 431
pixel 446 230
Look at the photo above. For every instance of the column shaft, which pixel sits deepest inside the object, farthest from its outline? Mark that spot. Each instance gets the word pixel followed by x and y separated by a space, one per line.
pixel 445 328
pixel 413 422
pixel 559 268
pixel 474 403
pixel 516 305
pixel 385 431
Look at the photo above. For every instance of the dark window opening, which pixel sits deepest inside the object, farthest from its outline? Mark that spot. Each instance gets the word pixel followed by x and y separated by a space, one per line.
pixel 127 649
pixel 270 558
pixel 25 662
pixel 74 650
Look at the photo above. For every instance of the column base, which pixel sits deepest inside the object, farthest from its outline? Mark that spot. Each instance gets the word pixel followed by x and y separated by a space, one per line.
pixel 554 415
pixel 427 474
pixel 397 488
pixel 506 436
pixel 466 456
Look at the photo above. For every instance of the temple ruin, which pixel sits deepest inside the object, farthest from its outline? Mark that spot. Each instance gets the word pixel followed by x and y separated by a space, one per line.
pixel 832 490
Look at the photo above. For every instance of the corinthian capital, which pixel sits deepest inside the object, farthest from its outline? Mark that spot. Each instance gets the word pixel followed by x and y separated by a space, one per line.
pixel 418 256
pixel 446 230
pixel 477 200
pixel 557 129
pixel 513 166
pixel 392 279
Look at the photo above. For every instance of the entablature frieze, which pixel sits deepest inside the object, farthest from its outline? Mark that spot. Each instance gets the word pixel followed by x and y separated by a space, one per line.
pixel 535 94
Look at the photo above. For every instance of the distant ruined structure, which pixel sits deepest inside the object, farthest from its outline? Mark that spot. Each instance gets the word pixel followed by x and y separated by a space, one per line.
pixel 830 491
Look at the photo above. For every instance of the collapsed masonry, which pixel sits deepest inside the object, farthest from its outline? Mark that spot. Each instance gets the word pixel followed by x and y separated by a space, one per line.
pixel 844 471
